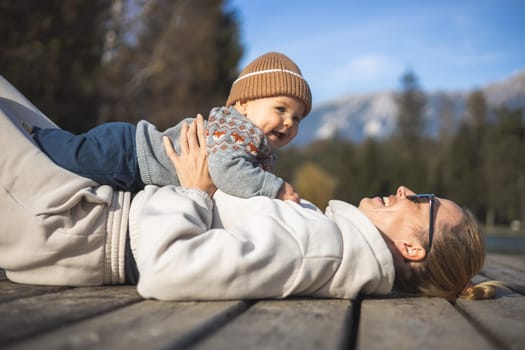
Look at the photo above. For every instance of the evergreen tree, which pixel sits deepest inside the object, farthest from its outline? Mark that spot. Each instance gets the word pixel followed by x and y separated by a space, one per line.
pixel 344 166
pixel 51 52
pixel 476 115
pixel 463 165
pixel 408 144
pixel 373 175
pixel 506 165
pixel 410 104
pixel 468 164
pixel 447 119
pixel 440 175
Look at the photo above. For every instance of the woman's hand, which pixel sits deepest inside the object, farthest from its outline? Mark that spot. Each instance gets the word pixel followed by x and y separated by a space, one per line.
pixel 192 164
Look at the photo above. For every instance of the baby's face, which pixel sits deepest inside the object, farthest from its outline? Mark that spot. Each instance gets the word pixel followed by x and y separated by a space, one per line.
pixel 278 117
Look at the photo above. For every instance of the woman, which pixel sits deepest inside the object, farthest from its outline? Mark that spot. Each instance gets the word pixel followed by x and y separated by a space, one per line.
pixel 62 229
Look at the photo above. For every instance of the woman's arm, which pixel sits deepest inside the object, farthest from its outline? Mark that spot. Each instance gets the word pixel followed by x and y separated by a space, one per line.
pixel 192 164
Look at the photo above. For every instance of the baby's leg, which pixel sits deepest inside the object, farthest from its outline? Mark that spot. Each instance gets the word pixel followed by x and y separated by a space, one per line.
pixel 106 153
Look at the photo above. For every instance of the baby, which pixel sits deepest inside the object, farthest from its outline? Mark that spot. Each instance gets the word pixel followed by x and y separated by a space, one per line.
pixel 263 111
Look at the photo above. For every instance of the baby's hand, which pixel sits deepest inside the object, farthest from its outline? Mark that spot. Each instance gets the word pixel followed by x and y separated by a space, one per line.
pixel 287 192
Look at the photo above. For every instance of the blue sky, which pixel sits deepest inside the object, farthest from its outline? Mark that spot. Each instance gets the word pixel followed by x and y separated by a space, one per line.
pixel 353 47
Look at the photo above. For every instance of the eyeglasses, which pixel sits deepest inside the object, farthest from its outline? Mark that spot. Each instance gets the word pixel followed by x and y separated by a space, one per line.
pixel 417 198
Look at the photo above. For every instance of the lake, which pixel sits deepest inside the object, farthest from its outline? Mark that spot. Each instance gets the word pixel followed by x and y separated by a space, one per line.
pixel 505 244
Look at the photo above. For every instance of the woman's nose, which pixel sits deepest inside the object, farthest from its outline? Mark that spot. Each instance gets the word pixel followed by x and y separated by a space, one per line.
pixel 403 191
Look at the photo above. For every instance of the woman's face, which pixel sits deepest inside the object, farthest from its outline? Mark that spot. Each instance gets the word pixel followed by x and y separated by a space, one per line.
pixel 399 218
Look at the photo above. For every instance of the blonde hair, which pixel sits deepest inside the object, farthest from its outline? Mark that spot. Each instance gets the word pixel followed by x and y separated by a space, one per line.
pixel 457 254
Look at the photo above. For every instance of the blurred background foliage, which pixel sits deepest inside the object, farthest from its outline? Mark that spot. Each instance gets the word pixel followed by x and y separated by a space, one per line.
pixel 480 164
pixel 88 62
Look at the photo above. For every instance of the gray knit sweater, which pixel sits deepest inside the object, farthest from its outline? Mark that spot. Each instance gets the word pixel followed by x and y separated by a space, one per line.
pixel 240 157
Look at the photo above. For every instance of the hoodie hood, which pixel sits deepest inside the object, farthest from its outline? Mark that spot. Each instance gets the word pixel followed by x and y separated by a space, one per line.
pixel 367 265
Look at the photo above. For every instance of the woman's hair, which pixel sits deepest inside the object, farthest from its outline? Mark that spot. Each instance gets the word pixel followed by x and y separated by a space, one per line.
pixel 457 254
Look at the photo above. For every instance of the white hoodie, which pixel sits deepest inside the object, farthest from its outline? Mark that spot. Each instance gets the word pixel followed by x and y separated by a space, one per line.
pixel 187 248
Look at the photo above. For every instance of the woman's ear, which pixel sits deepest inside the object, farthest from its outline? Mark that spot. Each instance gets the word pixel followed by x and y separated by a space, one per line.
pixel 410 250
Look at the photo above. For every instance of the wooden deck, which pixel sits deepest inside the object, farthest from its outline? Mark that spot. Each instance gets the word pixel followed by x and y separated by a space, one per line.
pixel 117 318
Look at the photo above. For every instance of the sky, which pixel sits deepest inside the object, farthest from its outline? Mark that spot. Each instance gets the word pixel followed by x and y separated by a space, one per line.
pixel 348 47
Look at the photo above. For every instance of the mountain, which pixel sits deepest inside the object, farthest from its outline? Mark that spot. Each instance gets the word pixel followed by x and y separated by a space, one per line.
pixel 357 117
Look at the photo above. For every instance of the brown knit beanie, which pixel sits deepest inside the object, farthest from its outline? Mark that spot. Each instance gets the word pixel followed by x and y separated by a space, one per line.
pixel 272 74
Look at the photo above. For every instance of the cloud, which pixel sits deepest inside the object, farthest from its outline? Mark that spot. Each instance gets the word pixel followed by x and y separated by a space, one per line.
pixel 364 67
pixel 365 72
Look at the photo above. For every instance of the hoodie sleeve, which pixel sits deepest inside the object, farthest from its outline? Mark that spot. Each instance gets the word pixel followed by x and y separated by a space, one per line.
pixel 179 257
pixel 240 160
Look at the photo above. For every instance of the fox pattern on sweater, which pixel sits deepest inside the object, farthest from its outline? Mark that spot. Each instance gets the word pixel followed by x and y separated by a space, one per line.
pixel 228 133
pixel 240 154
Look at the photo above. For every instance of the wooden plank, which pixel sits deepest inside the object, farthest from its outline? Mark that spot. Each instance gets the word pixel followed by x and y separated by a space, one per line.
pixel 503 319
pixel 287 324
pixel 144 325
pixel 11 291
pixel 513 261
pixel 415 323
pixel 506 270
pixel 117 318
pixel 27 317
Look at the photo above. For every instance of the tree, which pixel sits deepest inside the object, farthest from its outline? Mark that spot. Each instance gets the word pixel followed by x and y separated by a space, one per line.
pixel 182 61
pixel 411 104
pixel 411 167
pixel 506 165
pixel 288 160
pixel 371 174
pixel 51 52
pixel 476 117
pixel 439 168
pixel 476 113
pixel 468 164
pixel 447 118
pixel 314 184
pixel 86 62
